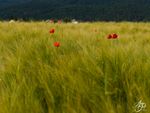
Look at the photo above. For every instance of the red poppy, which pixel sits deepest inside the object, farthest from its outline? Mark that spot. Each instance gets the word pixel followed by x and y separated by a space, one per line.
pixel 52 31
pixel 56 44
pixel 110 36
pixel 114 36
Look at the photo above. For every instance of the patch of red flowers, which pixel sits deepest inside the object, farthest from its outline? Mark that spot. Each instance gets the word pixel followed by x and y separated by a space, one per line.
pixel 52 31
pixel 109 36
pixel 112 36
pixel 56 44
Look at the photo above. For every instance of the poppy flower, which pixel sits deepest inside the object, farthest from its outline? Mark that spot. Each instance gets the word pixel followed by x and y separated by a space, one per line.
pixel 114 36
pixel 52 31
pixel 56 44
pixel 110 36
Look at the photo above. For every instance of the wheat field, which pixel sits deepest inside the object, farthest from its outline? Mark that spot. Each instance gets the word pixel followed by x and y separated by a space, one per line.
pixel 87 73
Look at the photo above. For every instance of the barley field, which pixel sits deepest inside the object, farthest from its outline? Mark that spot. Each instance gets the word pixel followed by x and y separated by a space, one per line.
pixel 84 72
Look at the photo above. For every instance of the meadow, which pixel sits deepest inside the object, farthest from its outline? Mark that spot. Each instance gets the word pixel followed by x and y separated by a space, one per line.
pixel 87 73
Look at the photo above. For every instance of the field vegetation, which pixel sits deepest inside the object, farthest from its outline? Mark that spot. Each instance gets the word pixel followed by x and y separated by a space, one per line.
pixel 86 73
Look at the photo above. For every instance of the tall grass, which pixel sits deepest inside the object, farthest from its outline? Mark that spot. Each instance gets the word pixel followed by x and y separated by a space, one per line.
pixel 87 74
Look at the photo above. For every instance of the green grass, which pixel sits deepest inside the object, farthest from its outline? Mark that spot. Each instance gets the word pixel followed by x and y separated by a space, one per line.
pixel 87 74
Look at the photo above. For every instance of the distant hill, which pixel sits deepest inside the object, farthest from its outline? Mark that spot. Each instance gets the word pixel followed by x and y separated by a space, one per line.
pixel 87 10
pixel 6 3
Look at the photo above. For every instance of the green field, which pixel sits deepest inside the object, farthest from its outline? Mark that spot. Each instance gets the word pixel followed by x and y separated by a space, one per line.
pixel 87 73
